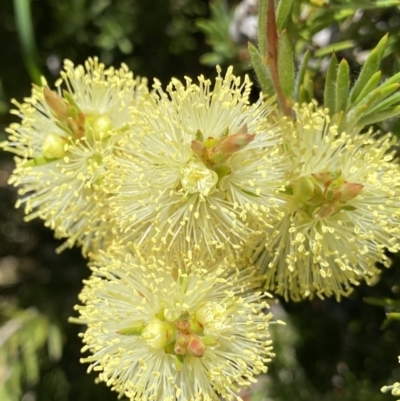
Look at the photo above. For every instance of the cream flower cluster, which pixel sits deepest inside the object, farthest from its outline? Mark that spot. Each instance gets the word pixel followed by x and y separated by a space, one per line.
pixel 176 330
pixel 63 144
pixel 199 168
pixel 341 210
pixel 200 197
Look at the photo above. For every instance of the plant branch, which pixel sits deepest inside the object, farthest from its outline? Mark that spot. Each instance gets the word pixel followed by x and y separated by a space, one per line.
pixel 271 59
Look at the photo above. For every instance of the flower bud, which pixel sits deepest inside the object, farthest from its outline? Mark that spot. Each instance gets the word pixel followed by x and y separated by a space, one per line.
pixel 349 191
pixel 196 347
pixel 303 189
pixel 326 210
pixel 101 127
pixel 53 147
pixel 227 146
pixel 171 314
pixel 207 313
pixel 199 136
pixel 195 325
pixel 180 346
pixel 198 147
pixel 156 333
pixel 196 177
pixel 74 127
pixel 328 176
pixel 183 325
pixel 56 103
pixel 210 142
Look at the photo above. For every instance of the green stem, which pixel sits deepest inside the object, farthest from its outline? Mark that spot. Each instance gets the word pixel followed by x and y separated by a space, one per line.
pixel 24 25
pixel 272 57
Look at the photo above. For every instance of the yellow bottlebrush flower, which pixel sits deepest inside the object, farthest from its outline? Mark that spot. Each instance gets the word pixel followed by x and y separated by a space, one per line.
pixel 342 208
pixel 173 331
pixel 63 143
pixel 198 167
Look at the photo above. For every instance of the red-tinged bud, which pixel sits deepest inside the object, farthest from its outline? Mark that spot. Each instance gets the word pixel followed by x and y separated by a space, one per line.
pixel 326 211
pixel 81 123
pixel 196 347
pixel 183 325
pixel 198 147
pixel 232 144
pixel 77 126
pixel 74 127
pixel 327 177
pixel 349 191
pixel 56 103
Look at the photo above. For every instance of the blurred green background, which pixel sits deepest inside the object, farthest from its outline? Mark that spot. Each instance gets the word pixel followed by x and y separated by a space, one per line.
pixel 328 350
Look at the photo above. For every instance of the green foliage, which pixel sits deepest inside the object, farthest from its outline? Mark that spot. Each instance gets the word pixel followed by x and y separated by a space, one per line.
pixel 262 27
pixel 303 90
pixel 216 30
pixel 342 86
pixel 23 336
pixel 339 15
pixel 285 64
pixel 283 10
pixel 262 73
pixel 275 53
pixel 288 380
pixel 330 84
pixel 369 68
pixel 26 36
pixel 368 101
pixel 360 105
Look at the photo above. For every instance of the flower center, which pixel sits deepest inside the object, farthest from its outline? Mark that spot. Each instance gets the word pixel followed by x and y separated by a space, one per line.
pixel 180 336
pixel 197 178
pixel 215 152
pixel 324 194
pixel 75 125
pixel 73 121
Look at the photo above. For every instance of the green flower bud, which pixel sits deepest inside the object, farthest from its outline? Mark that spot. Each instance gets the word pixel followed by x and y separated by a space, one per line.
pixel 303 189
pixel 53 147
pixel 208 313
pixel 156 333
pixel 100 127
